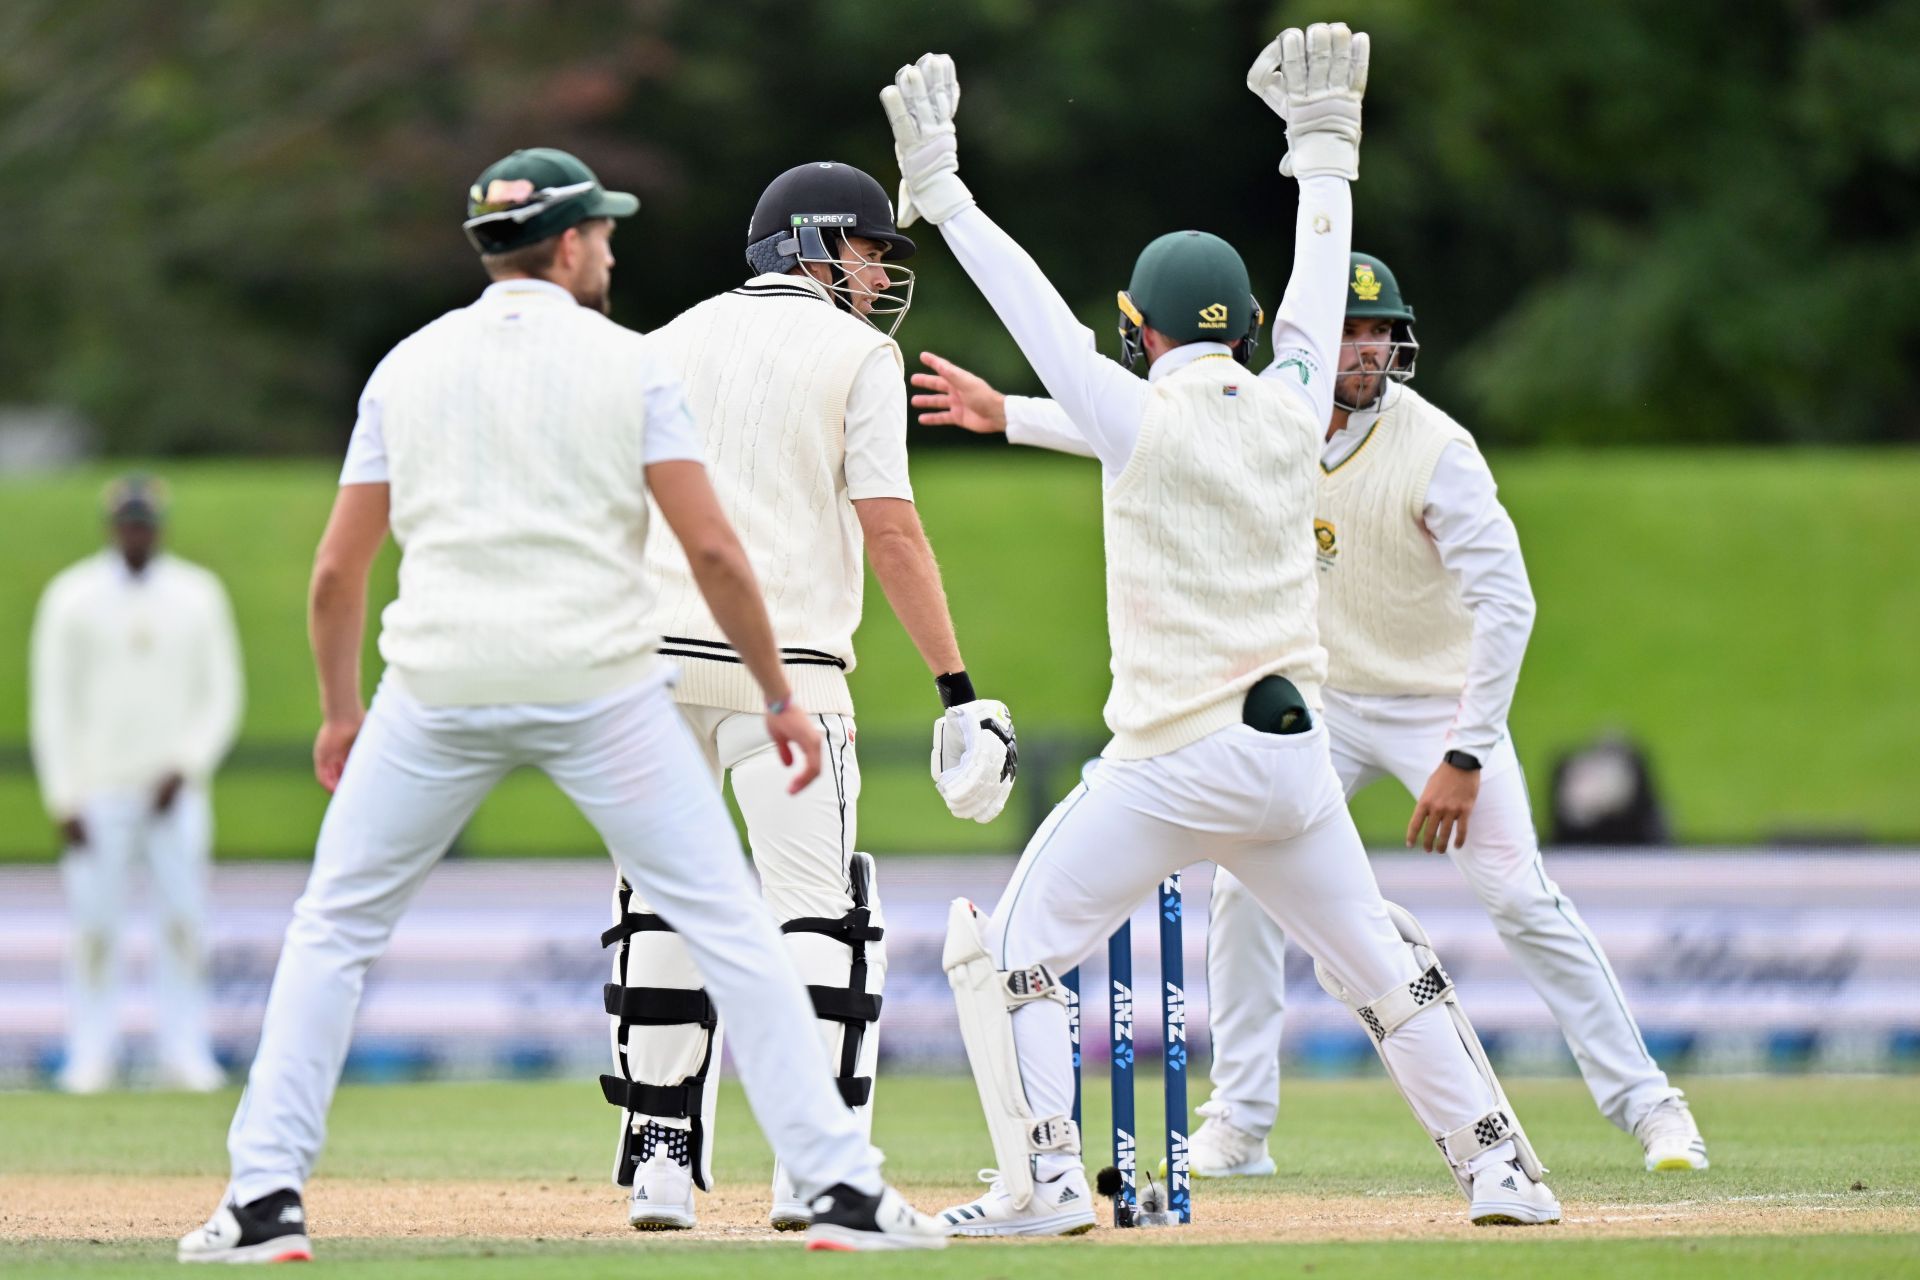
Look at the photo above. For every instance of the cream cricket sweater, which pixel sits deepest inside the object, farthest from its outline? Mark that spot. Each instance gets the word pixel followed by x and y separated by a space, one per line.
pixel 1391 615
pixel 767 369
pixel 515 433
pixel 1210 581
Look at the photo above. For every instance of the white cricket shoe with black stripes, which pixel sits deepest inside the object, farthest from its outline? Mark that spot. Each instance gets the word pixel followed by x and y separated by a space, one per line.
pixel 662 1194
pixel 1504 1196
pixel 1671 1138
pixel 1061 1206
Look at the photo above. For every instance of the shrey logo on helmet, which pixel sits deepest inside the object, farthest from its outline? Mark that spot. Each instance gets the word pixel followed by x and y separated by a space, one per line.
pixel 810 215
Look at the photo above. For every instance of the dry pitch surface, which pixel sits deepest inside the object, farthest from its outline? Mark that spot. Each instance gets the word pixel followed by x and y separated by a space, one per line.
pixel 469 1180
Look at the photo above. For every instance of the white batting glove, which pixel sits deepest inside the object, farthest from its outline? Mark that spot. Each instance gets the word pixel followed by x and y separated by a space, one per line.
pixel 920 105
pixel 974 759
pixel 1314 80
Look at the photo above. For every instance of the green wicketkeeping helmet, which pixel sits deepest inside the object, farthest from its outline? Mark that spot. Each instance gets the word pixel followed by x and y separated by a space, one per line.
pixel 534 194
pixel 1193 287
pixel 1374 294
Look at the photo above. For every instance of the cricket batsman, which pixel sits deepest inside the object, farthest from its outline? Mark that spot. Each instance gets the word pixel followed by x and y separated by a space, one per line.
pixel 1425 610
pixel 1219 751
pixel 796 383
pixel 516 448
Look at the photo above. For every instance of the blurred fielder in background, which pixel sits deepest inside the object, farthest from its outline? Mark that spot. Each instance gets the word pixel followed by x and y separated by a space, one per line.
pixel 137 694
pixel 1425 611
pixel 794 380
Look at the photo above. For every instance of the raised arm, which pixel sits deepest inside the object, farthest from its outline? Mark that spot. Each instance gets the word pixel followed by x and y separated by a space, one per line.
pixel 953 396
pixel 1314 80
pixel 1105 402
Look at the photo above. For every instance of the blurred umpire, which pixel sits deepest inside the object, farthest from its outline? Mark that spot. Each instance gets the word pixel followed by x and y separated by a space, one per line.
pixel 136 698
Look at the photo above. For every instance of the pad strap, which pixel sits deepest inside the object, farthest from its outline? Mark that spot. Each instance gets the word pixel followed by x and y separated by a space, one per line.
pixel 632 923
pixel 1389 1012
pixel 1035 982
pixel 841 1004
pixel 673 1101
pixel 1055 1133
pixel 1484 1134
pixel 659 1006
pixel 854 927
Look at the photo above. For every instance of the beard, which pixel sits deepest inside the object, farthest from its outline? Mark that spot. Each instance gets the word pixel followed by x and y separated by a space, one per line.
pixel 1358 388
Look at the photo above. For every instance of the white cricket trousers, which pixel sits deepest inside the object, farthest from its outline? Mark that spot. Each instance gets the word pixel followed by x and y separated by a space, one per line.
pixel 122 829
pixel 1404 738
pixel 1266 805
pixel 415 776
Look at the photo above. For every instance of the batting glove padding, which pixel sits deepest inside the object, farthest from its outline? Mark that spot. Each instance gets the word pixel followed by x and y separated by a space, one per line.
pixel 1314 80
pixel 974 759
pixel 920 105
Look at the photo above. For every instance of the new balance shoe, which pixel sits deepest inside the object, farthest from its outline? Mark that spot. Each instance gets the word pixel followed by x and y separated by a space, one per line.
pixel 1060 1207
pixel 789 1212
pixel 1504 1196
pixel 1671 1138
pixel 1218 1149
pixel 270 1229
pixel 662 1194
pixel 843 1220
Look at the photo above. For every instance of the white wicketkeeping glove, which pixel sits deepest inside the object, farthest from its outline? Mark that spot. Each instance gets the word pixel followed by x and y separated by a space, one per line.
pixel 1315 80
pixel 974 759
pixel 920 104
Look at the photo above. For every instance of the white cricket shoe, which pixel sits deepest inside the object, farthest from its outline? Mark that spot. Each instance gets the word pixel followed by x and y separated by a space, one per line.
pixel 1060 1207
pixel 1218 1149
pixel 662 1195
pixel 1504 1196
pixel 194 1075
pixel 1671 1138
pixel 270 1229
pixel 843 1220
pixel 84 1077
pixel 789 1212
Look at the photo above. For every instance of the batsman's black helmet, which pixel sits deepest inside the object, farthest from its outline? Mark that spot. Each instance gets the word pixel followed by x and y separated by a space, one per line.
pixel 822 195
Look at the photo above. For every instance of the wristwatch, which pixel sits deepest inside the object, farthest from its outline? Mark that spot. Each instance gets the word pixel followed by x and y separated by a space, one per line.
pixel 1461 760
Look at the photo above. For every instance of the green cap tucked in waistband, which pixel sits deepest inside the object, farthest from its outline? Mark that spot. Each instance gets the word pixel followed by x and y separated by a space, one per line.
pixel 534 194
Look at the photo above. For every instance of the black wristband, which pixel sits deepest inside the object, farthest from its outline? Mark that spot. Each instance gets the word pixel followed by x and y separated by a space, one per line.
pixel 955 688
pixel 1461 760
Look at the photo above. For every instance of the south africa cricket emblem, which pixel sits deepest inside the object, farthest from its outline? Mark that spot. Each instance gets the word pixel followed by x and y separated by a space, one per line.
pixel 1366 285
pixel 1324 542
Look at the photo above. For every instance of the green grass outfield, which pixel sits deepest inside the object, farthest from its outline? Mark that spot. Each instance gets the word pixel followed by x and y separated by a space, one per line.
pixel 1838 1152
pixel 1749 614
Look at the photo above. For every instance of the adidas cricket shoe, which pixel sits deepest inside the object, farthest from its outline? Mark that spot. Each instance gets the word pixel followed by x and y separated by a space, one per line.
pixel 1671 1138
pixel 842 1220
pixel 789 1212
pixel 1504 1196
pixel 1061 1206
pixel 270 1229
pixel 662 1195
pixel 1219 1150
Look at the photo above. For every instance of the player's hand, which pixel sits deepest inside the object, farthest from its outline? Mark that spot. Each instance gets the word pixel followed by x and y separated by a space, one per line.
pixel 957 398
pixel 74 832
pixel 330 748
pixel 975 758
pixel 1314 80
pixel 793 731
pixel 167 792
pixel 920 106
pixel 1443 809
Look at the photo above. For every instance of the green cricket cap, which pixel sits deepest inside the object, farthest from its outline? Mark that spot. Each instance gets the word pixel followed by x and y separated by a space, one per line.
pixel 1372 291
pixel 534 194
pixel 1193 287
